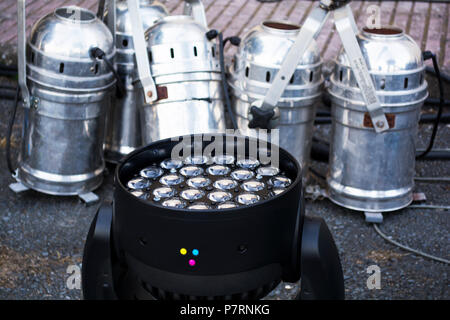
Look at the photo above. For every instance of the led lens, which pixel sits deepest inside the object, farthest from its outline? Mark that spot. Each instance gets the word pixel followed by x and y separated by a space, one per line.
pixel 171 164
pixel 171 180
pixel 250 163
pixel 191 171
pixel 199 206
pixel 164 192
pixel 276 192
pixel 174 203
pixel 224 159
pixel 198 182
pixel 280 182
pixel 192 194
pixel 227 205
pixel 196 160
pixel 140 194
pixel 253 186
pixel 152 172
pixel 220 196
pixel 242 174
pixel 225 184
pixel 268 171
pixel 138 184
pixel 218 170
pixel 247 198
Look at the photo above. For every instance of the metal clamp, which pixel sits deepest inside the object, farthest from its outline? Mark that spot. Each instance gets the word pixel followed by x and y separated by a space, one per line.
pixel 347 29
pixel 346 26
pixel 111 20
pixel 196 9
pixel 22 52
pixel 140 48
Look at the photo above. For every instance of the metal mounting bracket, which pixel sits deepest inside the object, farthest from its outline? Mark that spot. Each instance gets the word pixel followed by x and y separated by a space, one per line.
pixel 196 9
pixel 140 48
pixel 346 26
pixel 22 52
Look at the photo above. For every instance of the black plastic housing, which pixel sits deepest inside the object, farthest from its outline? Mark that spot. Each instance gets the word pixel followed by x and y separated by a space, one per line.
pixel 242 251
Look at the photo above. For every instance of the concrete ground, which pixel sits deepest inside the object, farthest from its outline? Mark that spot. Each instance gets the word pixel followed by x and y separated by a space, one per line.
pixel 40 236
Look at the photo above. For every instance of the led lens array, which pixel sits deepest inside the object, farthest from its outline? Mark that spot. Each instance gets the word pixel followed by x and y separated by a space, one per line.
pixel 202 183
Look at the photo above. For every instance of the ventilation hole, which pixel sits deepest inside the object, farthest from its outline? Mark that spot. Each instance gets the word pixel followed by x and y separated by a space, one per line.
pixel 150 56
pixel 195 51
pixel 292 80
pixel 125 43
pixel 383 84
pixel 172 53
pixel 32 57
pixel 247 71
pixel 96 68
pixel 421 79
pixel 213 52
pixel 406 83
pixel 311 76
pixel 341 75
pixel 267 76
pixel 61 68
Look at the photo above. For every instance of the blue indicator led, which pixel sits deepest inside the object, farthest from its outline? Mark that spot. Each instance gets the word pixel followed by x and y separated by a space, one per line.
pixel 195 252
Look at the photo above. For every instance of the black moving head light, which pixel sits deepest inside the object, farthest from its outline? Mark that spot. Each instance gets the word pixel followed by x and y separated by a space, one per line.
pixel 219 226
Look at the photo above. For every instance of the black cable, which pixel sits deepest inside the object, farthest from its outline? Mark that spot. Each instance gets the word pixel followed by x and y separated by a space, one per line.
pixel 9 132
pixel 101 9
pixel 434 101
pixel 429 55
pixel 98 53
pixel 211 35
pixel 444 76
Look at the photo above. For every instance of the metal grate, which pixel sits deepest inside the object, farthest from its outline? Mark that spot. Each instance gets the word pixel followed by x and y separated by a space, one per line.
pixel 426 22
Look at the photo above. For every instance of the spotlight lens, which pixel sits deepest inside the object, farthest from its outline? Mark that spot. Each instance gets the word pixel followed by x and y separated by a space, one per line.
pixel 192 263
pixel 225 184
pixel 174 203
pixel 250 163
pixel 192 194
pixel 248 198
pixel 224 160
pixel 198 182
pixel 195 252
pixel 253 186
pixel 191 171
pixel 170 164
pixel 152 172
pixel 183 252
pixel 138 184
pixel 164 192
pixel 280 182
pixel 196 160
pixel 220 196
pixel 218 170
pixel 242 174
pixel 171 180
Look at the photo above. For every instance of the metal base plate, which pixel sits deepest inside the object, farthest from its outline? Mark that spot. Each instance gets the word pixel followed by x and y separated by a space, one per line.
pixel 18 187
pixel 374 217
pixel 89 198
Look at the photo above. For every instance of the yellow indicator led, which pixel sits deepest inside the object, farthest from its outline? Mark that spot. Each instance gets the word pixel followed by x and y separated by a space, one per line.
pixel 183 251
